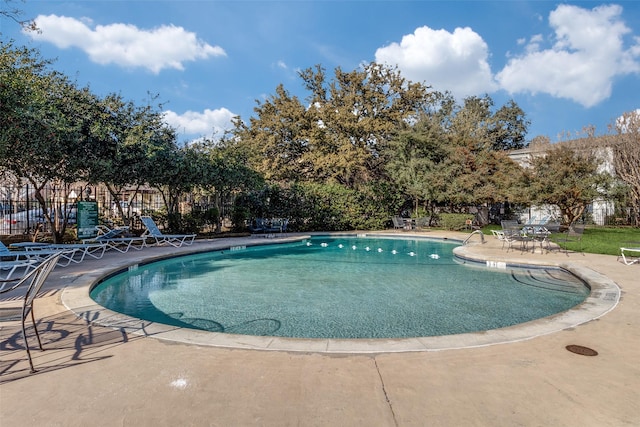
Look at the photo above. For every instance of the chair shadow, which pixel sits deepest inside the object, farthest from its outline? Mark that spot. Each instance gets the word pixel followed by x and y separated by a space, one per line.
pixel 68 341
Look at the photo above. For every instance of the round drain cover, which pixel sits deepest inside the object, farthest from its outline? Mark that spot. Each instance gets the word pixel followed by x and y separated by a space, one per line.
pixel 581 350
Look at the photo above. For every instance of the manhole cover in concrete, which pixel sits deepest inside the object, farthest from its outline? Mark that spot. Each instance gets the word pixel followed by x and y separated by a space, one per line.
pixel 581 350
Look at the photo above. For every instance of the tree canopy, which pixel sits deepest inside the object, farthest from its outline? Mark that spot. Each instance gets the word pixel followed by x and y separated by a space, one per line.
pixel 568 179
pixel 362 146
pixel 372 126
pixel 626 156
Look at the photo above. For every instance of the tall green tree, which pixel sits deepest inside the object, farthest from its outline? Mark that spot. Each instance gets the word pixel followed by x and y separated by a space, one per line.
pixel 276 142
pixel 47 129
pixel 340 134
pixel 508 127
pixel 130 130
pixel 502 129
pixel 568 179
pixel 413 159
pixel 448 156
pixel 222 172
pixel 172 170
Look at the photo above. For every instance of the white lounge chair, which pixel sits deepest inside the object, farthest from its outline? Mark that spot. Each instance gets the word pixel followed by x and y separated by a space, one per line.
pixel 19 267
pixel 23 251
pixel 154 232
pixel 94 250
pixel 631 258
pixel 114 239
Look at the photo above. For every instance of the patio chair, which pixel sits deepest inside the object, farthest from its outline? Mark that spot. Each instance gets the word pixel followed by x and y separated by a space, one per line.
pixel 277 225
pixel 631 258
pixel 422 222
pixel 513 236
pixel 511 231
pixel 110 233
pixel 509 224
pixel 34 281
pixel 154 232
pixel 498 234
pixel 572 235
pixel 537 227
pixel 257 225
pixel 399 223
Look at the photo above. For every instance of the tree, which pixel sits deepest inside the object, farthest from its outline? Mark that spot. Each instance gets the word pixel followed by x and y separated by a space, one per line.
pixel 626 156
pixel 471 176
pixel 465 167
pixel 11 12
pixel 566 178
pixel 504 129
pixel 222 172
pixel 172 170
pixel 47 133
pixel 341 135
pixel 277 141
pixel 413 159
pixel 508 127
pixel 129 130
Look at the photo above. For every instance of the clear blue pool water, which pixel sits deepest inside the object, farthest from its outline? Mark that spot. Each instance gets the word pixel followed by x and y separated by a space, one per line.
pixel 338 287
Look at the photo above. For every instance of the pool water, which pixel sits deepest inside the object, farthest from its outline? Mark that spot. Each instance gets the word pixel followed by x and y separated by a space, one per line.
pixel 338 287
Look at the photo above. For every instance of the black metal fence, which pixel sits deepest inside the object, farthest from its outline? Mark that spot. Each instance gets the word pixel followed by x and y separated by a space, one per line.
pixel 21 211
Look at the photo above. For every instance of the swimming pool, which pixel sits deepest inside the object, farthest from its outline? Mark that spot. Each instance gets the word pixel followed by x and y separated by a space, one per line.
pixel 338 287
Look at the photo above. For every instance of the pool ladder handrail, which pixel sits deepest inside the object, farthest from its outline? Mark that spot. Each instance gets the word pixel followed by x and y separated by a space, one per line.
pixel 471 235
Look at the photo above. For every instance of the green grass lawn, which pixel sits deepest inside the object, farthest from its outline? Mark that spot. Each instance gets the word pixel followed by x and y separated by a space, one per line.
pixel 597 240
pixel 606 240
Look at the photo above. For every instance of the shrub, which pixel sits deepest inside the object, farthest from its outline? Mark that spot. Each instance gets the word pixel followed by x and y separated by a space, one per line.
pixel 314 207
pixel 454 221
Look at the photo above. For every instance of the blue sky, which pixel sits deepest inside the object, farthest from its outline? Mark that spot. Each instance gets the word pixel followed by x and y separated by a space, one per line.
pixel 568 65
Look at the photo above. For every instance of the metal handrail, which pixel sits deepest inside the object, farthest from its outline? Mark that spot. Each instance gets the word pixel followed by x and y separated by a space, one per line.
pixel 471 235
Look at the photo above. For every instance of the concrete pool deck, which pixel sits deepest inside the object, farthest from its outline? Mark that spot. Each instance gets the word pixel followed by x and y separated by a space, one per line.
pixel 90 374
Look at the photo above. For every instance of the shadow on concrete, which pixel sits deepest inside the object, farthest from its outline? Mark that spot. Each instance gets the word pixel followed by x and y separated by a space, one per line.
pixel 67 340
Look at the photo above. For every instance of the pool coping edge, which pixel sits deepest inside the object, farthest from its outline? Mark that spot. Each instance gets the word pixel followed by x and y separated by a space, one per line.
pixel 604 296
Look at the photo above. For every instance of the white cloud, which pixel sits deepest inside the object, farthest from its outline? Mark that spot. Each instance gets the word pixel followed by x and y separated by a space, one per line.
pixel 455 62
pixel 588 54
pixel 207 123
pixel 125 45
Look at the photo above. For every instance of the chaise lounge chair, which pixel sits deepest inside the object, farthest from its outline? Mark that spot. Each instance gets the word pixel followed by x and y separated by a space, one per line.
pixel 25 253
pixel 77 251
pixel 19 267
pixel 632 258
pixel 154 232
pixel 114 239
